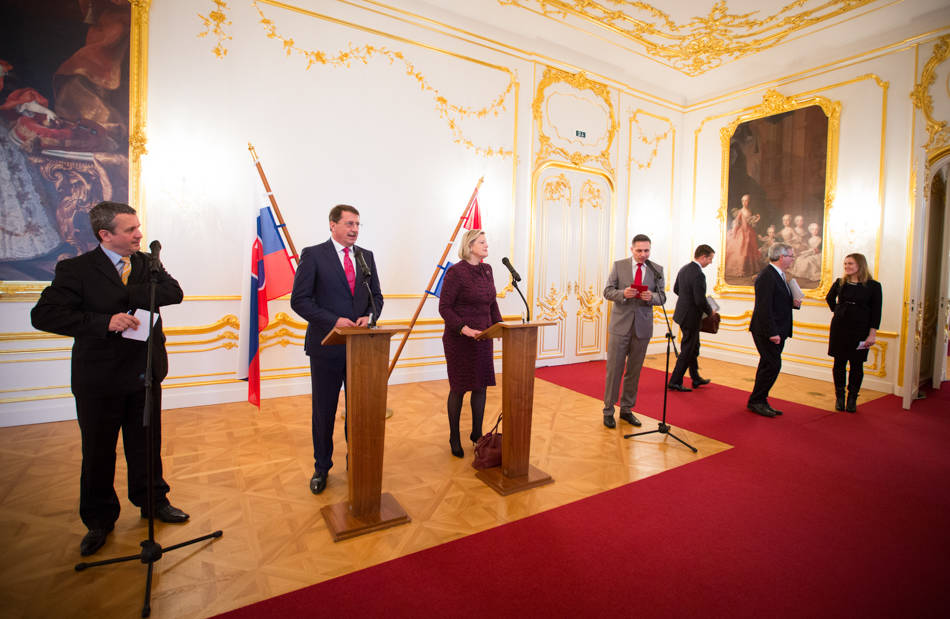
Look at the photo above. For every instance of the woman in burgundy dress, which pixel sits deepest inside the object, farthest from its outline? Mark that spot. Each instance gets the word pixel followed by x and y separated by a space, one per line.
pixel 468 306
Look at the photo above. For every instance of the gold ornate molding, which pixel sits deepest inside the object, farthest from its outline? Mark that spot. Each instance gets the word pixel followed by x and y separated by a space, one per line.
pixel 214 23
pixel 452 114
pixel 773 102
pixel 938 134
pixel 650 142
pixel 579 81
pixel 704 42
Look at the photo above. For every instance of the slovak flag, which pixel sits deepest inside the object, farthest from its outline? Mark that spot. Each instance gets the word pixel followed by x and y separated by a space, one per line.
pixel 472 219
pixel 271 277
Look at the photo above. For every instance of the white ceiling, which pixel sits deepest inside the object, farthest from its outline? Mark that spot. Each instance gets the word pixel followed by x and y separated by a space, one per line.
pixel 687 51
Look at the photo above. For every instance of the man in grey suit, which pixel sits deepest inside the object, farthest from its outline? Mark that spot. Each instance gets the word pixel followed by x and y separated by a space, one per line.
pixel 635 285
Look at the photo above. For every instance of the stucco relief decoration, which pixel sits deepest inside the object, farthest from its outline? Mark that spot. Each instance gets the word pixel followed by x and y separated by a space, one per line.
pixel 702 43
pixel 647 132
pixel 552 305
pixel 575 119
pixel 558 188
pixel 779 172
pixel 591 195
pixel 214 23
pixel 938 133
pixel 451 113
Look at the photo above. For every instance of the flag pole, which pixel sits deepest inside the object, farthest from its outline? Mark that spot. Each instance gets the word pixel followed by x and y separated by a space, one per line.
pixel 273 203
pixel 435 274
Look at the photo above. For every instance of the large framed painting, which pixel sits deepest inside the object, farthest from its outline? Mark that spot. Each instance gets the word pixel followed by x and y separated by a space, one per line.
pixel 67 110
pixel 779 173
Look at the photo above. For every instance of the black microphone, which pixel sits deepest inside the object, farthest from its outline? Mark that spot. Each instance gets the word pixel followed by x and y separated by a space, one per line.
pixel 656 274
pixel 514 274
pixel 361 261
pixel 155 262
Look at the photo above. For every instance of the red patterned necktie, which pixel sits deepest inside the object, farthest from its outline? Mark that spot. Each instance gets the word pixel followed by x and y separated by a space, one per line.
pixel 349 270
pixel 638 278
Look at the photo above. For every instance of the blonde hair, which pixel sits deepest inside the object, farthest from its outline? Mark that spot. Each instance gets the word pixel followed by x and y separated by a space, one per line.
pixel 862 262
pixel 465 248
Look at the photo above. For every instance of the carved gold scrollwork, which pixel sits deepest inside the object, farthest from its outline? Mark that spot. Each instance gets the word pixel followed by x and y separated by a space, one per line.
pixel 938 134
pixel 591 195
pixel 651 142
pixel 552 305
pixel 589 303
pixel 703 43
pixel 214 23
pixel 558 188
pixel 450 112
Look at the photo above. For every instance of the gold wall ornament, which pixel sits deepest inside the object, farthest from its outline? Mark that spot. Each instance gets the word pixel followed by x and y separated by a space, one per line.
pixel 451 113
pixel 214 23
pixel 704 42
pixel 558 188
pixel 938 134
pixel 552 305
pixel 589 303
pixel 591 195
pixel 584 89
pixel 651 142
pixel 774 103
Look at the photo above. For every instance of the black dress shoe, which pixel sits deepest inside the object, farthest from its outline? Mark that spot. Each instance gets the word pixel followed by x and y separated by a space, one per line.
pixel 318 483
pixel 456 448
pixel 679 387
pixel 761 409
pixel 609 421
pixel 699 382
pixel 776 411
pixel 93 541
pixel 630 418
pixel 167 513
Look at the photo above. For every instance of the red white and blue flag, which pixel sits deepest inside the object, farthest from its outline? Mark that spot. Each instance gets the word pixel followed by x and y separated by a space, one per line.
pixel 271 277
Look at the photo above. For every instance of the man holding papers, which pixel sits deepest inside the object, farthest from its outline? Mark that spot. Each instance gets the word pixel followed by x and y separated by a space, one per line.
pixel 93 298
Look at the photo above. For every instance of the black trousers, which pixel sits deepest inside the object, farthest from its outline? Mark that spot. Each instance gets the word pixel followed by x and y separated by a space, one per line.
pixel 689 356
pixel 855 377
pixel 100 419
pixel 327 375
pixel 770 364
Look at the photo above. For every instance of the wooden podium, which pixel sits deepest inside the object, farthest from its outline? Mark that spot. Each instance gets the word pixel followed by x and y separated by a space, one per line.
pixel 367 372
pixel 519 351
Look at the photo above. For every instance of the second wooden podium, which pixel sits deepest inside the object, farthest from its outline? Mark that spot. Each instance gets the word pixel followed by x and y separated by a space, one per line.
pixel 519 351
pixel 367 372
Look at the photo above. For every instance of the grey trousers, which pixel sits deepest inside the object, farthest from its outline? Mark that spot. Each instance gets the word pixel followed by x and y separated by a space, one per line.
pixel 621 350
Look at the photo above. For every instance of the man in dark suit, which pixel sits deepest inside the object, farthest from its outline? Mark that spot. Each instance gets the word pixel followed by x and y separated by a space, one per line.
pixel 329 291
pixel 771 324
pixel 92 299
pixel 691 304
pixel 634 285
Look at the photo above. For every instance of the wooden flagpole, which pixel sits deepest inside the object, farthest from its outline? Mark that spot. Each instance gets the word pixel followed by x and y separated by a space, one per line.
pixel 435 274
pixel 273 203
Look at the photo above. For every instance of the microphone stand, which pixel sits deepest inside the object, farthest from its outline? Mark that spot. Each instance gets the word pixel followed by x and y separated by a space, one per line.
pixel 151 550
pixel 663 427
pixel 526 308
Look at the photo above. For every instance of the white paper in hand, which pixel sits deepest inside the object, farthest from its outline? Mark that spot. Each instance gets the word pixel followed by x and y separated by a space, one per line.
pixel 141 333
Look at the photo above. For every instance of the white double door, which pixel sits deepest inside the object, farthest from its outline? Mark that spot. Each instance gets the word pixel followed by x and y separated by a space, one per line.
pixel 571 250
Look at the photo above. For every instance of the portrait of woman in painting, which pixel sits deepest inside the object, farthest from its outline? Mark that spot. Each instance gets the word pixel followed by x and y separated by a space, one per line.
pixel 742 246
pixel 776 185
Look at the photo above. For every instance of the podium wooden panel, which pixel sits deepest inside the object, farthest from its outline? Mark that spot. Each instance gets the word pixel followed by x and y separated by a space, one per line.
pixel 519 352
pixel 367 373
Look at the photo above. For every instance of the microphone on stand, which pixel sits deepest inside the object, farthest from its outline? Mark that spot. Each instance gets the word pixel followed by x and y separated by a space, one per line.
pixel 514 274
pixel 361 262
pixel 155 262
pixel 656 274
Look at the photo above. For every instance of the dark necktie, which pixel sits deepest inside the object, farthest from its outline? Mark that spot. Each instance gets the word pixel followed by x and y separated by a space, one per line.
pixel 349 270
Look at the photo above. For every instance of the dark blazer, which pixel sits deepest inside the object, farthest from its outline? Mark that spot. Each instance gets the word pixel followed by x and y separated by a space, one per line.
pixel 691 303
pixel 84 294
pixel 772 314
pixel 321 294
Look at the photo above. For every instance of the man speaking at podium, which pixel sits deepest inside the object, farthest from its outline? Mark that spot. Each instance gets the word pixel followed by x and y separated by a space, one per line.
pixel 330 291
pixel 92 299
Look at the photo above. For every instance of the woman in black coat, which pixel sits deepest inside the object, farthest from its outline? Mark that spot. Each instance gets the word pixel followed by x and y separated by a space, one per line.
pixel 468 306
pixel 855 299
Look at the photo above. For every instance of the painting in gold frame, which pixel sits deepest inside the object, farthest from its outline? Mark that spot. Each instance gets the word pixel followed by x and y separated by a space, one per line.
pixel 779 163
pixel 73 131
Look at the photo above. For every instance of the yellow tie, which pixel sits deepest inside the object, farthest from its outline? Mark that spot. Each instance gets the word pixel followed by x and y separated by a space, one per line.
pixel 126 269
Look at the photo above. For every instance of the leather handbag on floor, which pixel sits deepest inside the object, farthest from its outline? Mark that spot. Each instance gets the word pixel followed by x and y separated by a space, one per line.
pixel 488 449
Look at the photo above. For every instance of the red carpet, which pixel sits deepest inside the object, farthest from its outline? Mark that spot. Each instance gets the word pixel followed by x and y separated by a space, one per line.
pixel 812 514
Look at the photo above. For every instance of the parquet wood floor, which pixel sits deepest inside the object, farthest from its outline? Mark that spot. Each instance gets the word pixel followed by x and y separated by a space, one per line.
pixel 247 472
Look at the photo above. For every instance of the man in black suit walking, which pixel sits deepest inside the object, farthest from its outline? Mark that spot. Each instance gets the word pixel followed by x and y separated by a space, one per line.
pixel 771 324
pixel 329 291
pixel 691 304
pixel 92 298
